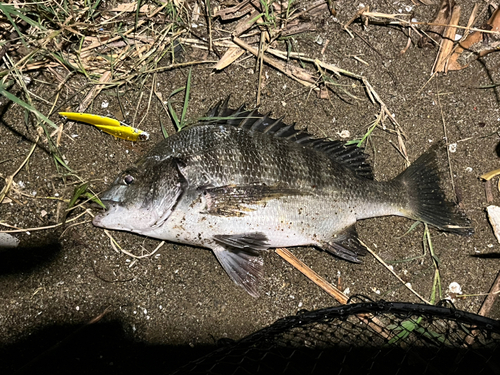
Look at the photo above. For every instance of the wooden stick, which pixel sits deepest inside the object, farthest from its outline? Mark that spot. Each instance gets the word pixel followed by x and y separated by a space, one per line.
pixel 372 321
pixel 486 307
pixel 492 296
pixel 311 275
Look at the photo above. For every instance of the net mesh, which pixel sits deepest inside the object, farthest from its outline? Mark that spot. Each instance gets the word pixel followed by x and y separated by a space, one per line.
pixel 364 338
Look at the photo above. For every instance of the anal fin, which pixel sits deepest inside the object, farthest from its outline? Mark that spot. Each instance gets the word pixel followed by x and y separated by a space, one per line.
pixel 346 245
pixel 239 255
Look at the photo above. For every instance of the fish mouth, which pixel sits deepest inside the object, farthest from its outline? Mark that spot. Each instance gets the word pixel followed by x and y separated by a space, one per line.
pixel 103 213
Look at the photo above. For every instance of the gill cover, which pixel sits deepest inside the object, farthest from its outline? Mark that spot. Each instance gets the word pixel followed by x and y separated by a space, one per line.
pixel 142 198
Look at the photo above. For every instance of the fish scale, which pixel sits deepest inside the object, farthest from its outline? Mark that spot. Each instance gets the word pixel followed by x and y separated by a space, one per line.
pixel 239 182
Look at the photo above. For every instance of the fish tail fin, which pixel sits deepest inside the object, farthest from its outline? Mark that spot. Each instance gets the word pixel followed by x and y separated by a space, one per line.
pixel 427 200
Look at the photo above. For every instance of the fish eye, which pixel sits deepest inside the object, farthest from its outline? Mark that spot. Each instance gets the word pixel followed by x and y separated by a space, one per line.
pixel 128 179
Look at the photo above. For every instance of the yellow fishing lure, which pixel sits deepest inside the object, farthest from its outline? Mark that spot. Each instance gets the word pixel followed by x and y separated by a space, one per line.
pixel 108 125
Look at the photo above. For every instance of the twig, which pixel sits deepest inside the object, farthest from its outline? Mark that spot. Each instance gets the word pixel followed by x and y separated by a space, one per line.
pixel 394 273
pixel 260 63
pixel 402 22
pixel 10 179
pixel 488 192
pixel 208 10
pixel 445 133
pixel 19 230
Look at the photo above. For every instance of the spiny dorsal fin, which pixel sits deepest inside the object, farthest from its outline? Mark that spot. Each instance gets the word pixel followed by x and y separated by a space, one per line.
pixel 350 156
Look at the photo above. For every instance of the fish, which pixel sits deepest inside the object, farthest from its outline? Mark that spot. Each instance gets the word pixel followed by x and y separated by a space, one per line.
pixel 239 182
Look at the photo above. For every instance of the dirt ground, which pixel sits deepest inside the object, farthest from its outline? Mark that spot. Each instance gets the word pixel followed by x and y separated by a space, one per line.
pixel 180 299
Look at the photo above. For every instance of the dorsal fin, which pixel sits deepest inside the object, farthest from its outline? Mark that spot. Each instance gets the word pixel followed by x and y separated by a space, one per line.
pixel 348 155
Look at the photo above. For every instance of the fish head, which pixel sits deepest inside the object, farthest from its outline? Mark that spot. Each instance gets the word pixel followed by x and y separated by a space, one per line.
pixel 142 197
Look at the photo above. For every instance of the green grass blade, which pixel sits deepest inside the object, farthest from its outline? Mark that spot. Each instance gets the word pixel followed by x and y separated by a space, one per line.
pixel 488 86
pixel 62 162
pixel 176 91
pixel 93 9
pixel 436 285
pixel 137 11
pixel 172 113
pixel 78 192
pixel 163 130
pixel 94 198
pixel 10 10
pixel 81 192
pixel 25 105
pixel 255 18
pixel 186 99
pixel 370 130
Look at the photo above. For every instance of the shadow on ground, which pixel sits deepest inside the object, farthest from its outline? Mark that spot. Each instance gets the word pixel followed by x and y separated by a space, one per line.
pixel 104 348
pixel 101 348
pixel 27 258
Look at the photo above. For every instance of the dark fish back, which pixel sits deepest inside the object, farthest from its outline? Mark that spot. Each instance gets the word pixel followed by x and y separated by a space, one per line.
pixel 348 155
pixel 244 147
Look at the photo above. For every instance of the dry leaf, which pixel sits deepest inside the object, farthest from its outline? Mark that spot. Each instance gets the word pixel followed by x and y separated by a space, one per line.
pixel 442 17
pixel 477 44
pixel 132 7
pixel 235 12
pixel 494 217
pixel 323 93
pixel 94 92
pixel 246 23
pixel 447 43
pixel 229 57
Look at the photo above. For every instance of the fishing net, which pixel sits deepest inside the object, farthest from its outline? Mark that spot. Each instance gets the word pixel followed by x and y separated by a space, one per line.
pixel 364 338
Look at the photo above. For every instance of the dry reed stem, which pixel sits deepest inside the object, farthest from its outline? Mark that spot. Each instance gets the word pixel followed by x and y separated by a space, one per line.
pixel 231 55
pixel 445 134
pixel 236 11
pixel 442 17
pixel 486 307
pixel 476 42
pixel 402 22
pixel 491 298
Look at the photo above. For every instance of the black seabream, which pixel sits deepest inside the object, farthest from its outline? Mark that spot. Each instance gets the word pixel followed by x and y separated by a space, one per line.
pixel 240 182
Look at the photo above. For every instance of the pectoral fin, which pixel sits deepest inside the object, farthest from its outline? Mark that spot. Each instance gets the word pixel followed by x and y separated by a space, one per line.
pixel 239 200
pixel 346 245
pixel 250 242
pixel 240 258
